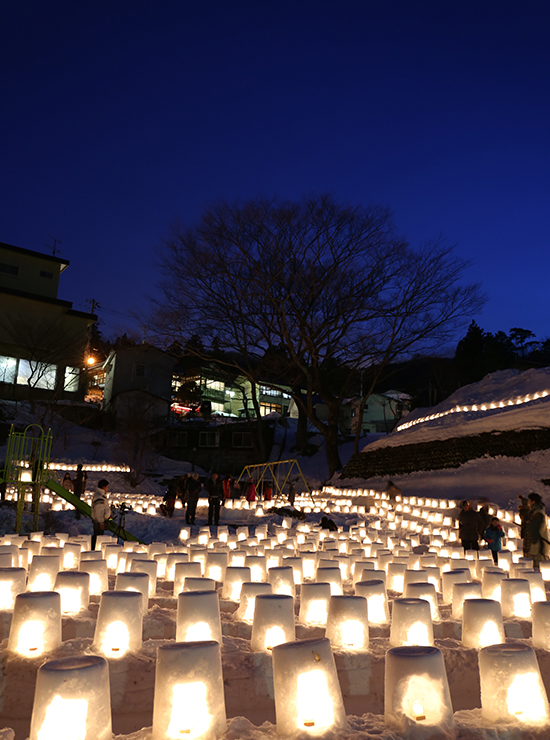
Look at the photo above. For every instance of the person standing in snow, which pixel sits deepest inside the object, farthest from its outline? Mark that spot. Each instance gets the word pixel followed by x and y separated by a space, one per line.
pixel 470 527
pixel 493 536
pixel 67 483
pixel 524 511
pixel 193 491
pixel 538 531
pixel 79 484
pixel 291 493
pixel 215 492
pixel 101 511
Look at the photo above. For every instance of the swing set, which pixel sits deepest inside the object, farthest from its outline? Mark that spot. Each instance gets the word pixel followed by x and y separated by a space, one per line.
pixel 277 472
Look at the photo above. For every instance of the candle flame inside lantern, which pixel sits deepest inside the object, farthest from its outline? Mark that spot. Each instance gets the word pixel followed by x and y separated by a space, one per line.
pixel 422 700
pixel 308 568
pixel 198 632
pixel 31 638
pixel 489 635
pixel 353 635
pixel 117 639
pixel 417 635
pixel 69 560
pixel 274 636
pixel 522 606
pixel 190 716
pixel 215 572
pixel 42 582
pixel 376 611
pixel 317 612
pixel 71 600
pixel 315 710
pixel 256 574
pixel 65 720
pixel 524 699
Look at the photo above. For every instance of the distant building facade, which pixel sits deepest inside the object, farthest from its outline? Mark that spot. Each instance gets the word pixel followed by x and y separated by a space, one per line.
pixel 42 338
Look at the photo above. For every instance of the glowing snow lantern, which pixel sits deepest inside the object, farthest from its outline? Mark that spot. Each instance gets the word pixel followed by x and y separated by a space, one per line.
pixel 216 563
pixel 491 583
pixel 258 567
pixel 36 624
pixel 182 571
pixel 511 685
pixel 422 590
pixel 516 598
pixel 198 617
pixel 461 592
pixel 314 600
pixel 347 623
pixel 411 623
pixel 377 601
pixel 110 554
pixel 308 698
pixel 536 584
pixel 74 589
pixel 99 578
pixel 199 584
pixel 134 582
pixel 449 579
pixel 396 576
pixel 189 693
pixel 282 580
pixel 119 623
pixel 541 624
pixel 249 592
pixel 416 691
pixel 12 582
pixel 332 576
pixel 42 573
pixel 482 623
pixel 72 700
pixel 233 582
pixel 273 622
pixel 149 567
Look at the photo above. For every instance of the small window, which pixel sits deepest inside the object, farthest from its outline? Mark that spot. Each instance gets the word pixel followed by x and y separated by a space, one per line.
pixel 269 408
pixel 353 413
pixel 209 439
pixel 9 269
pixel 8 367
pixel 242 439
pixel 178 439
pixel 142 371
pixel 265 391
pixel 215 385
pixel 45 274
pixel 37 374
pixel 72 376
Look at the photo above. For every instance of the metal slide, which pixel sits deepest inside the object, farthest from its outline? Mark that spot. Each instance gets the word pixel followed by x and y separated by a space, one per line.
pixel 84 508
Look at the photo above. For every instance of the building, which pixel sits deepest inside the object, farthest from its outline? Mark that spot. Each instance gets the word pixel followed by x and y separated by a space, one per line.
pixel 42 338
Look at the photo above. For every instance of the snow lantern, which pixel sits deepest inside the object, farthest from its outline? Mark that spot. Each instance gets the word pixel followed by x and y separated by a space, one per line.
pixel 416 691
pixel 331 575
pixel 511 685
pixel 99 578
pixel 448 580
pixel 119 623
pixel 71 556
pixel 258 567
pixel 216 563
pixel 516 598
pixel 296 565
pixel 424 590
pixel 541 624
pixel 134 582
pixel 347 623
pixel 172 558
pixel 189 694
pixel 282 580
pixel 199 584
pixel 273 622
pixel 183 570
pixel 309 564
pixel 12 582
pixel 396 576
pixel 74 589
pixel 461 592
pixel 233 582
pixel 377 601
pixel 413 575
pixel 198 617
pixel 249 591
pixel 72 700
pixel 314 600
pixel 482 623
pixel 43 572
pixel 536 584
pixel 491 583
pixel 308 698
pixel 149 567
pixel 411 623
pixel 36 623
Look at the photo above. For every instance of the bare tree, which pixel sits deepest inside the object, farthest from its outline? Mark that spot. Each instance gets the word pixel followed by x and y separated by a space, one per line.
pixel 137 421
pixel 331 287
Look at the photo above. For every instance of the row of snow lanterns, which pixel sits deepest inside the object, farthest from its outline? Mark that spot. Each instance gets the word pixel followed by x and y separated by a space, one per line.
pixel 475 408
pixel 89 468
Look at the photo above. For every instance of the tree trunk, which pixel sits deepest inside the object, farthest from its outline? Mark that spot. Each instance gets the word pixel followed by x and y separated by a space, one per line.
pixel 330 434
pixel 301 428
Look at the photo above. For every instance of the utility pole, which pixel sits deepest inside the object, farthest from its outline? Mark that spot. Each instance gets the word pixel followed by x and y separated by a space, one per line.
pixel 94 305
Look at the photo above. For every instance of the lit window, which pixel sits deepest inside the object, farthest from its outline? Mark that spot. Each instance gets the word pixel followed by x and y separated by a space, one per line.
pixel 215 385
pixel 72 376
pixel 7 369
pixel 265 391
pixel 268 408
pixel 217 408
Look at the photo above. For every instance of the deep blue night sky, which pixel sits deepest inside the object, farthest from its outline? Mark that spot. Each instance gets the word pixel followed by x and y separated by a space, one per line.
pixel 120 117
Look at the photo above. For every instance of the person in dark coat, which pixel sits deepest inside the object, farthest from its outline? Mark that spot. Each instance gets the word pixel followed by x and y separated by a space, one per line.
pixel 327 523
pixel 79 484
pixel 214 489
pixel 538 531
pixel 291 493
pixel 470 527
pixel 483 512
pixel 193 492
pixel 169 500
pixel 524 514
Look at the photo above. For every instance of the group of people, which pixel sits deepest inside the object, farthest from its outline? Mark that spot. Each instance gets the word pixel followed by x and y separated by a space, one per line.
pixel 480 525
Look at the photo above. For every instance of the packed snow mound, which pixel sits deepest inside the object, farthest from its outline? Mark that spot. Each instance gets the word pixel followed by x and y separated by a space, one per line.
pixel 503 401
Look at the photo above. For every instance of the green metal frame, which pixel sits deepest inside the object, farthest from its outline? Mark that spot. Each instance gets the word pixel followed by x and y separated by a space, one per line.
pixel 27 451
pixel 274 468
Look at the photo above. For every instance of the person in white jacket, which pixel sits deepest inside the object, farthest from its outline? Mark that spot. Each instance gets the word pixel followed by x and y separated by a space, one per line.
pixel 101 510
